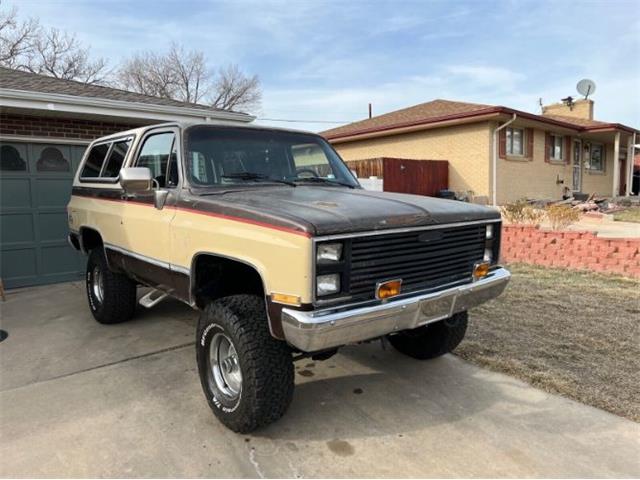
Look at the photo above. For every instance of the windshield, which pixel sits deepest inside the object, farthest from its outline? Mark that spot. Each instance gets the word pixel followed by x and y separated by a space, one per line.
pixel 231 156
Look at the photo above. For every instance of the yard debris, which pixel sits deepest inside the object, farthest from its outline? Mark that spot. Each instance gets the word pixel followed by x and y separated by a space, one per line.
pixel 591 203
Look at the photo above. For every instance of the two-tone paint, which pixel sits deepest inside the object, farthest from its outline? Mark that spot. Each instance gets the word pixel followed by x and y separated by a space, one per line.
pixel 271 228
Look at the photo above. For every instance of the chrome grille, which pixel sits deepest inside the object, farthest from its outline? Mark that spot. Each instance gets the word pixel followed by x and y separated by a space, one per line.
pixel 424 259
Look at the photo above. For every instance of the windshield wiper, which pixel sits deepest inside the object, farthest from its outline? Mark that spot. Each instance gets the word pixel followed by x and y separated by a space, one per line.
pixel 322 180
pixel 257 177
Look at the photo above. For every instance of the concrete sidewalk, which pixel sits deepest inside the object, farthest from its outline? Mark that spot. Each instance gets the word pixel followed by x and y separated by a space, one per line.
pixel 81 399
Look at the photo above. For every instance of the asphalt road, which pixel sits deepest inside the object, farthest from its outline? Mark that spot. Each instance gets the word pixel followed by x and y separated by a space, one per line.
pixel 84 400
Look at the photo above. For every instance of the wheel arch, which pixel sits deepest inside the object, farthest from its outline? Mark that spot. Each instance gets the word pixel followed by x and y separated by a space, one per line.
pixel 89 238
pixel 233 269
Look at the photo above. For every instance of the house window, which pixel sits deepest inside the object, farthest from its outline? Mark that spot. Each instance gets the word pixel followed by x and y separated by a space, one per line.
pixel 597 159
pixel 515 141
pixel 556 148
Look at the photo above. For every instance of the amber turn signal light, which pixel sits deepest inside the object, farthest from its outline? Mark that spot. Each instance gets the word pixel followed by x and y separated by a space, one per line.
pixel 285 299
pixel 480 270
pixel 388 289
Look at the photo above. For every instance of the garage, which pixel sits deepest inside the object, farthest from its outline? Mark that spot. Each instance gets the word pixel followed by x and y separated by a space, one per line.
pixel 45 125
pixel 34 190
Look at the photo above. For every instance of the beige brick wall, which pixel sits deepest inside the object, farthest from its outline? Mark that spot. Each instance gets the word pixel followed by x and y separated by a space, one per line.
pixel 537 178
pixel 579 109
pixel 601 184
pixel 466 147
pixel 533 178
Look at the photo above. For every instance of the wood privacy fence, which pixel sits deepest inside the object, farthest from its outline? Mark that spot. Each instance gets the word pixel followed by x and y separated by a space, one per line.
pixel 371 167
pixel 420 177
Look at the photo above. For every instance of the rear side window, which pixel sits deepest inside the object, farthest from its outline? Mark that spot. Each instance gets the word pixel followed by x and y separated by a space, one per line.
pixel 116 159
pixel 94 162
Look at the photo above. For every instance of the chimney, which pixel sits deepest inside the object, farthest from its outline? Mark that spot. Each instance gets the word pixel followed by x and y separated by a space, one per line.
pixel 576 108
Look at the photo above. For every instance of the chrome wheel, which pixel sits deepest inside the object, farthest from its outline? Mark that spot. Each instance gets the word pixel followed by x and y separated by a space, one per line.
pixel 97 283
pixel 225 367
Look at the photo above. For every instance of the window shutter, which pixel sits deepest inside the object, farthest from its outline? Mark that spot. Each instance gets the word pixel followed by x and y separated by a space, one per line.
pixel 502 143
pixel 567 150
pixel 529 135
pixel 547 146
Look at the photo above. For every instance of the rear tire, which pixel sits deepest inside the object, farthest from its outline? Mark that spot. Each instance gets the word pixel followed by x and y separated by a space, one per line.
pixel 433 340
pixel 112 296
pixel 247 375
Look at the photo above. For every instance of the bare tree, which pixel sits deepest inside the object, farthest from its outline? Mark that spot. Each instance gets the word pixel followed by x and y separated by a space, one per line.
pixel 191 76
pixel 184 75
pixel 147 73
pixel 60 55
pixel 234 90
pixel 16 37
pixel 27 46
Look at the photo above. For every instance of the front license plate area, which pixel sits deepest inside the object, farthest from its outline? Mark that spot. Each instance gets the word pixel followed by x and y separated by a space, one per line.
pixel 435 309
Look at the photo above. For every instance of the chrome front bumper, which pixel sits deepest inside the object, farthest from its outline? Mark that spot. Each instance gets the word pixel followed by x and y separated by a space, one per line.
pixel 322 329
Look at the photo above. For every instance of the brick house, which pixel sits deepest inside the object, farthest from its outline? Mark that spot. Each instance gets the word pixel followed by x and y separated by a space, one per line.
pixel 501 154
pixel 45 125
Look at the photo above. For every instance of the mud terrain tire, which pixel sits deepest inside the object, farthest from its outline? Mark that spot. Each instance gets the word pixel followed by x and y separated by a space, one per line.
pixel 247 375
pixel 111 296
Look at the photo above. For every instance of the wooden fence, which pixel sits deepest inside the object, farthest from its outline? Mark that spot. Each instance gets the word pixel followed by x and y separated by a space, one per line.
pixel 420 177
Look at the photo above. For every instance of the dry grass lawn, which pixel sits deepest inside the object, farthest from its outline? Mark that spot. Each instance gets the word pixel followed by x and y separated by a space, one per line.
pixel 566 332
pixel 631 214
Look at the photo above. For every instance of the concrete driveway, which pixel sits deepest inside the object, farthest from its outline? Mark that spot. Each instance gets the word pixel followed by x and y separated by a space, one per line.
pixel 85 400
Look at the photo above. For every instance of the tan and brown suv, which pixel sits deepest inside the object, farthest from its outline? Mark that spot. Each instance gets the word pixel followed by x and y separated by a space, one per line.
pixel 269 234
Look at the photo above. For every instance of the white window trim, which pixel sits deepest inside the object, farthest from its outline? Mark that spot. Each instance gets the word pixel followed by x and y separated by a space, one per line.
pixel 553 148
pixel 602 170
pixel 523 144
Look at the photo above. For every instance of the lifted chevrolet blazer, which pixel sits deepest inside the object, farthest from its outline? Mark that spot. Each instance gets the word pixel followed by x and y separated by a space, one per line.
pixel 271 237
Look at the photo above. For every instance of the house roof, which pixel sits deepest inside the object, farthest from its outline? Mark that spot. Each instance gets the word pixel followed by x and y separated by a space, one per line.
pixel 438 111
pixel 19 80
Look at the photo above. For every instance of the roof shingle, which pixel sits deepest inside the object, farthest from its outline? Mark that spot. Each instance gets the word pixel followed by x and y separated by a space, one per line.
pixel 445 110
pixel 422 112
pixel 19 80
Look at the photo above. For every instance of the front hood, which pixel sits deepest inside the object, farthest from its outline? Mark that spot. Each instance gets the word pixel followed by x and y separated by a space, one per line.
pixel 321 210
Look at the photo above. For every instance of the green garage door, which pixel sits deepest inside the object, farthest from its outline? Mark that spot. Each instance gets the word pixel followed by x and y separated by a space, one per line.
pixel 35 185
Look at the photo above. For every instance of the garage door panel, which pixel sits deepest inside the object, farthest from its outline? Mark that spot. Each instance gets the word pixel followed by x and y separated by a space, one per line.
pixel 13 157
pixel 52 192
pixel 16 192
pixel 58 260
pixel 52 225
pixel 35 187
pixel 49 158
pixel 18 267
pixel 16 227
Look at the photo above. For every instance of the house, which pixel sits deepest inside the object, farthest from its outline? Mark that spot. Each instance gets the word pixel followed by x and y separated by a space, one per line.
pixel 45 125
pixel 498 153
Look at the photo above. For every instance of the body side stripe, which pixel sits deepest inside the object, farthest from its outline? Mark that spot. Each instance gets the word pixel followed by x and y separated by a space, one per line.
pixel 116 198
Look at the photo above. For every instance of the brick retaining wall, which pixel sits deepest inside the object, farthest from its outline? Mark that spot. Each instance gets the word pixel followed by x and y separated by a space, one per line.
pixel 574 250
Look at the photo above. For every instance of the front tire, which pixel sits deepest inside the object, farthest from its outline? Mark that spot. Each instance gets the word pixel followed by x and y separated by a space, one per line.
pixel 432 340
pixel 247 375
pixel 111 296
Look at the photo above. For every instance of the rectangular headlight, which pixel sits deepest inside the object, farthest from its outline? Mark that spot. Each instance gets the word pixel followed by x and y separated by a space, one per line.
pixel 488 255
pixel 329 252
pixel 327 284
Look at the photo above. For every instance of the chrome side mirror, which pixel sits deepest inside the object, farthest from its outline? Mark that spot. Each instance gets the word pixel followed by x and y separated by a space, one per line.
pixel 136 179
pixel 160 198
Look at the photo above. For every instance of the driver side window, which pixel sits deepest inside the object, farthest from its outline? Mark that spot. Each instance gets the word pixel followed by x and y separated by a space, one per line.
pixel 159 154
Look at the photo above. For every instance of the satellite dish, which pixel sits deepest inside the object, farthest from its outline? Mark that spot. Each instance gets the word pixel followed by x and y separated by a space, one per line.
pixel 586 87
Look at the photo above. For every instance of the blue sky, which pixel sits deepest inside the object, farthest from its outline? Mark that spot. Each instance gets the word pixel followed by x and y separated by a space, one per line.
pixel 327 60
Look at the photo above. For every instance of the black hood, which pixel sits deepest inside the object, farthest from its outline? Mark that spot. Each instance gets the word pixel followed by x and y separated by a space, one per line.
pixel 322 210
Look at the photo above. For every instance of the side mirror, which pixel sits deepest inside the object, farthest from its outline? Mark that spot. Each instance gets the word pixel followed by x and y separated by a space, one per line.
pixel 160 198
pixel 136 179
